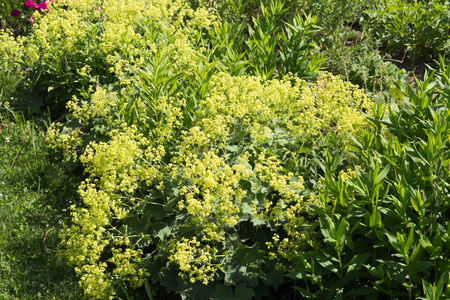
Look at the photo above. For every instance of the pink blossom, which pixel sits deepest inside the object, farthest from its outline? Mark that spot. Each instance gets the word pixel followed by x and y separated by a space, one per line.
pixel 31 20
pixel 29 4
pixel 41 6
pixel 15 13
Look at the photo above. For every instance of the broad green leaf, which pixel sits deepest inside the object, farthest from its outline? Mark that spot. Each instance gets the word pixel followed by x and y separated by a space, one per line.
pixel 223 292
pixel 242 292
pixel 244 266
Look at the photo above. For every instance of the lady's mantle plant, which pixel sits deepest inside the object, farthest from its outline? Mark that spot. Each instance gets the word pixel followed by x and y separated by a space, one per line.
pixel 198 180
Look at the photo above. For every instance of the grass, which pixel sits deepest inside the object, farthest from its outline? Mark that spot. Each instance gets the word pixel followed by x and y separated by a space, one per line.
pixel 34 191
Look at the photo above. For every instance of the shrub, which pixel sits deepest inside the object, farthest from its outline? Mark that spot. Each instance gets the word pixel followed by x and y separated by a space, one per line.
pixel 418 29
pixel 194 202
pixel 384 227
pixel 193 173
pixel 267 44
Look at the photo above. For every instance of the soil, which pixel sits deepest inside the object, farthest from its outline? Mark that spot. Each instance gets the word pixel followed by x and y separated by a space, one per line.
pixel 418 68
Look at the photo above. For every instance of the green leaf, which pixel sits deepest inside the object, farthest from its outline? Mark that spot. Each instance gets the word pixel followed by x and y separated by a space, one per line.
pixel 28 102
pixel 244 266
pixel 223 292
pixel 340 233
pixel 416 201
pixel 409 241
pixel 375 219
pixel 305 293
pixel 242 292
pixel 361 291
pixel 382 174
pixel 161 230
pixel 148 290
pixel 327 264
pixel 357 261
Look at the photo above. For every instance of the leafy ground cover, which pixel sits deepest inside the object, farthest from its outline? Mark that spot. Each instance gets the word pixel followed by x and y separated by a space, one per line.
pixel 34 195
pixel 224 150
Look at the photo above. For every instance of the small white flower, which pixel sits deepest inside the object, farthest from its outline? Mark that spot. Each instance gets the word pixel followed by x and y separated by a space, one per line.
pixel 7 139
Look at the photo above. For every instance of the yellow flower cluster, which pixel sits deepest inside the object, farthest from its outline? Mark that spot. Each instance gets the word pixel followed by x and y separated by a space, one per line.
pixel 66 140
pixel 194 260
pixel 114 162
pixel 126 264
pixel 11 59
pixel 98 106
pixel 330 106
pixel 205 162
pixel 213 195
pixel 11 51
pixel 94 281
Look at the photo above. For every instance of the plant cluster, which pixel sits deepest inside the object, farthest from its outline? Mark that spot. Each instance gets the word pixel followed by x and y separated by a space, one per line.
pixel 267 44
pixel 218 157
pixel 185 160
pixel 384 227
pixel 417 29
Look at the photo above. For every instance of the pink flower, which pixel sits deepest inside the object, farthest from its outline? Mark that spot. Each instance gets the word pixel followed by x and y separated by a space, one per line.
pixel 98 9
pixel 15 13
pixel 31 20
pixel 41 6
pixel 29 4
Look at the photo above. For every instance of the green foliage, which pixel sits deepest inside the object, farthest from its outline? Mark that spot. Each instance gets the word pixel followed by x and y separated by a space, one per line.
pixel 415 28
pixel 34 196
pixel 351 49
pixel 387 224
pixel 362 64
pixel 267 45
pixel 211 169
pixel 199 180
pixel 335 15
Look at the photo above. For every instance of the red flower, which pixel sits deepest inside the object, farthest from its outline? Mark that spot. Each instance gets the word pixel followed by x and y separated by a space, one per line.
pixel 41 6
pixel 15 13
pixel 29 4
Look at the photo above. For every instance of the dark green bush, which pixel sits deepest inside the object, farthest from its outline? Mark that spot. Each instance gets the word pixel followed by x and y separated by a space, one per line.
pixel 417 29
pixel 385 229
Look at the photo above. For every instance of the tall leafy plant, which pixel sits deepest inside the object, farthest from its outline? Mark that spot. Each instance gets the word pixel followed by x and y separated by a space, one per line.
pixel 384 228
pixel 268 45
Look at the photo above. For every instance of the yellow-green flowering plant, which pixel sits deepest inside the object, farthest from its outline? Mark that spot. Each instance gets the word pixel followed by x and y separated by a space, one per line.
pixel 193 176
pixel 194 202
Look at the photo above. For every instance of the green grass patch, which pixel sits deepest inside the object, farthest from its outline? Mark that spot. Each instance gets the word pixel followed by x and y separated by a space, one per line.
pixel 33 194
